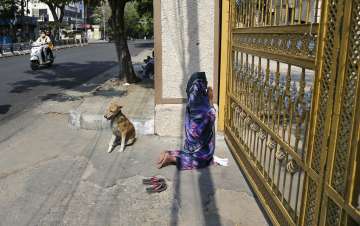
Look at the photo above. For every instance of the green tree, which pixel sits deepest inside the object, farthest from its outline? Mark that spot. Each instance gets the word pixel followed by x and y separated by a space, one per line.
pixel 117 23
pixel 145 7
pixel 139 23
pixel 132 18
pixel 8 9
pixel 59 5
pixel 120 28
pixel 101 13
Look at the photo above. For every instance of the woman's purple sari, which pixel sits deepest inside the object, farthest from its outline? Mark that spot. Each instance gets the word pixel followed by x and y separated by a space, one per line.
pixel 199 144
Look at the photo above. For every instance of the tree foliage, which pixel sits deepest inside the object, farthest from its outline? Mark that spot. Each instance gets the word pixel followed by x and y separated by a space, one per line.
pixel 100 14
pixel 127 18
pixel 9 8
pixel 132 20
pixel 145 7
pixel 120 26
pixel 138 19
pixel 138 16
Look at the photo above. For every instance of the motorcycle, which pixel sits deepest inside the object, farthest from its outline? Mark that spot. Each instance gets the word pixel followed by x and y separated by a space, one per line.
pixel 36 59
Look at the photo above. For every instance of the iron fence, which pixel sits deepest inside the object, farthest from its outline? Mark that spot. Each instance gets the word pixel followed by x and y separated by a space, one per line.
pixel 293 107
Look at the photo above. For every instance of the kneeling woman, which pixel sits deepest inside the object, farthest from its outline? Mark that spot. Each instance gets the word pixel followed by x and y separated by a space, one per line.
pixel 199 144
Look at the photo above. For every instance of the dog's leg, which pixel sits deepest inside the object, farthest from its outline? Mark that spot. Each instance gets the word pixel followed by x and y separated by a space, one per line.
pixel 131 141
pixel 123 142
pixel 112 143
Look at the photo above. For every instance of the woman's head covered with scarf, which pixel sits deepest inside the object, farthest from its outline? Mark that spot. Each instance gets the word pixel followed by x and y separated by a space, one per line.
pixel 198 101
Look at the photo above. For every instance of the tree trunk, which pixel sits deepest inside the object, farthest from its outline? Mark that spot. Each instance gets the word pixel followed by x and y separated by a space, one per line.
pixel 62 13
pixel 53 11
pixel 22 13
pixel 120 38
pixel 57 19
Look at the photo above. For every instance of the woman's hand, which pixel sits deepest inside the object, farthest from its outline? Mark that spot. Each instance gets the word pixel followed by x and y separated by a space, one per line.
pixel 210 94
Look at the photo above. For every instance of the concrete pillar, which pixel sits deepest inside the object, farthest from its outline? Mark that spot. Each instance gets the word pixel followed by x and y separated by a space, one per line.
pixel 186 41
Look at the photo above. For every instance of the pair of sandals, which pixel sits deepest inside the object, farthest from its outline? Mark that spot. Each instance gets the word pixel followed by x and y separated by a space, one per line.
pixel 157 184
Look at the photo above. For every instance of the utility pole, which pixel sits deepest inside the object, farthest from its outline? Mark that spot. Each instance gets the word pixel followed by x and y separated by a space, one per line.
pixel 27 8
pixel 85 19
pixel 103 11
pixel 22 12
pixel 76 20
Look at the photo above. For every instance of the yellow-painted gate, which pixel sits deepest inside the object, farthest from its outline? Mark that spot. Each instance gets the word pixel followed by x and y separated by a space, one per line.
pixel 292 112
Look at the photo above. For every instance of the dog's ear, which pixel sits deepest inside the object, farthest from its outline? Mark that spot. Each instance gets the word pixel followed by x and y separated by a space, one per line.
pixel 118 108
pixel 112 107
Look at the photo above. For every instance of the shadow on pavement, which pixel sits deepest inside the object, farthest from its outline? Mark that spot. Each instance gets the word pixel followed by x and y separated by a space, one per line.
pixel 4 108
pixel 144 45
pixel 63 76
pixel 207 195
pixel 176 203
pixel 111 93
pixel 146 83
pixel 59 97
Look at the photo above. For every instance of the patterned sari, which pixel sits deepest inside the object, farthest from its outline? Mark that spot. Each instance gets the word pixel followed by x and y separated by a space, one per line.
pixel 200 116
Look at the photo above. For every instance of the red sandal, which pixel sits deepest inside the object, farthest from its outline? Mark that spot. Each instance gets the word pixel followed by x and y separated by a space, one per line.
pixel 152 180
pixel 157 187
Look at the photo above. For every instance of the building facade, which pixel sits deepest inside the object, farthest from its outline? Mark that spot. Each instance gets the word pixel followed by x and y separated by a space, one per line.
pixel 73 14
pixel 15 26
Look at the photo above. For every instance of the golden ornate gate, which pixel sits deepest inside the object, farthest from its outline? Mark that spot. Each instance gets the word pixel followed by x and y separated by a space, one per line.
pixel 292 117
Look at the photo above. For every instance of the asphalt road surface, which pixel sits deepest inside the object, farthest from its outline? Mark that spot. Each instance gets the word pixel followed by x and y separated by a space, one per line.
pixel 21 88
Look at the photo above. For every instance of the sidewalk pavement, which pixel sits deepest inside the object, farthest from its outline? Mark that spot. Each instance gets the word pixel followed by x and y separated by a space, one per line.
pixel 93 41
pixel 53 172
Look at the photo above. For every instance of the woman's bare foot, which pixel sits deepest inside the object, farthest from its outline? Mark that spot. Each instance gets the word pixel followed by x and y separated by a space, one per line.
pixel 167 160
pixel 161 158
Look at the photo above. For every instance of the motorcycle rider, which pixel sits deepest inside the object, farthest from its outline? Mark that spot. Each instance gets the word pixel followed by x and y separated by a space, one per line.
pixel 51 37
pixel 149 67
pixel 44 39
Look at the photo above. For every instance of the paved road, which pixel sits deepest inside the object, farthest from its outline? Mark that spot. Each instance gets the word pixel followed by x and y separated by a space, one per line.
pixel 20 87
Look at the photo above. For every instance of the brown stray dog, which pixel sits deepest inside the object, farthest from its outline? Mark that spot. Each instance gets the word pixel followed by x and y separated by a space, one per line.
pixel 123 130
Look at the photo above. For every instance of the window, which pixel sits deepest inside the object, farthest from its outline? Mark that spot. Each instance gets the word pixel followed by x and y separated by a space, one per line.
pixel 35 12
pixel 43 12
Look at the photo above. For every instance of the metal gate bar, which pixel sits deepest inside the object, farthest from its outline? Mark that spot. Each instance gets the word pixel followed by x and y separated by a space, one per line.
pixel 279 108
